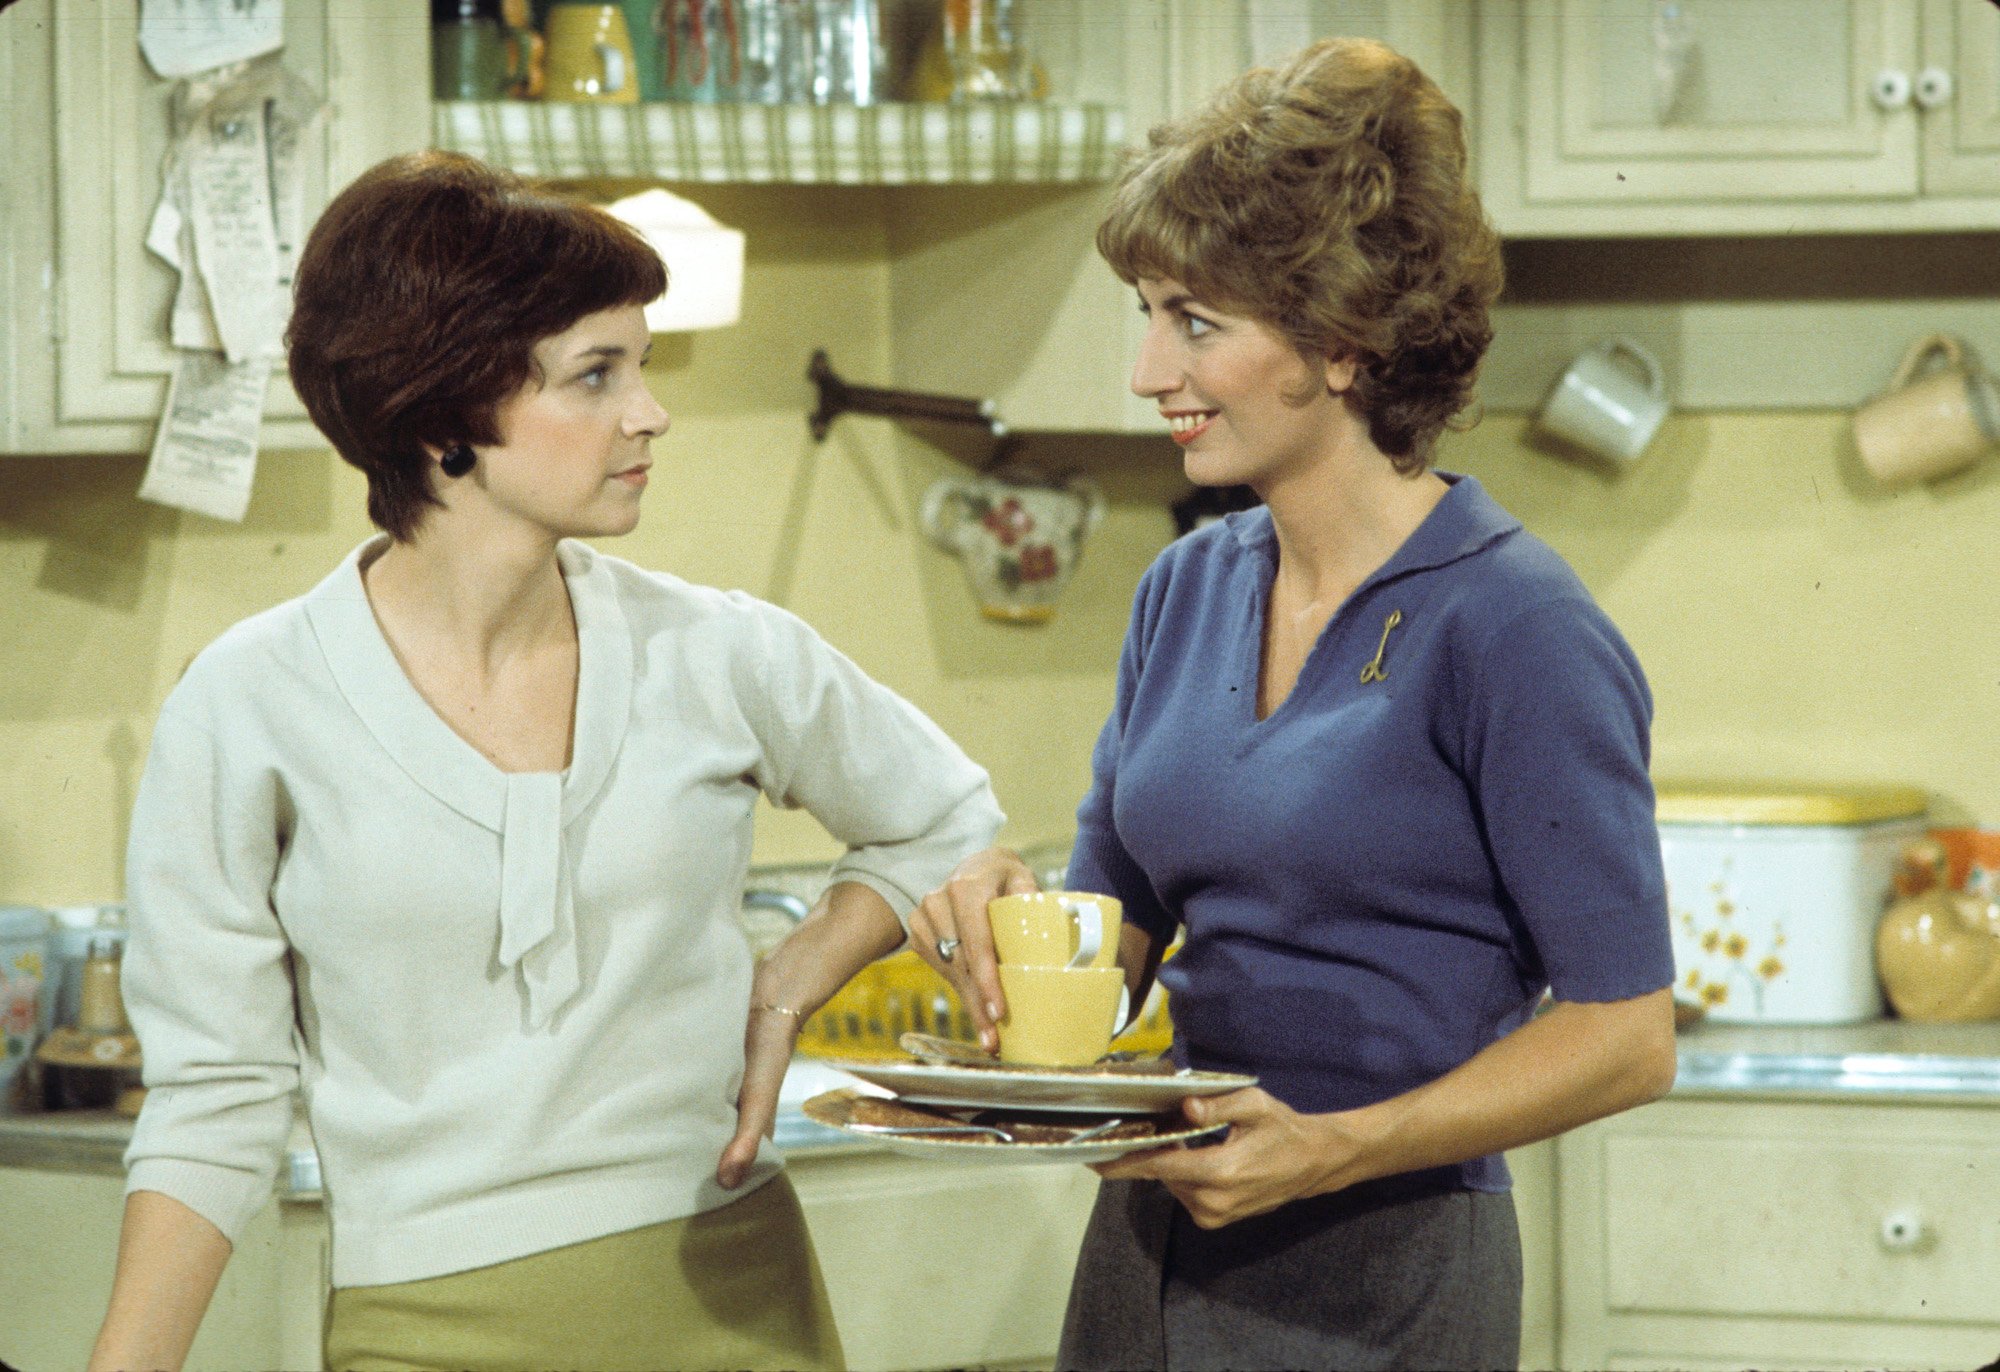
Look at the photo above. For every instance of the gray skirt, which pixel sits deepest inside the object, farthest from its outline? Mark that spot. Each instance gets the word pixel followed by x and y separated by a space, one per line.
pixel 1374 1277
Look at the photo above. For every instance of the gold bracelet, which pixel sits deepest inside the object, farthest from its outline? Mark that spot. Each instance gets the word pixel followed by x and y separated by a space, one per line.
pixel 781 1009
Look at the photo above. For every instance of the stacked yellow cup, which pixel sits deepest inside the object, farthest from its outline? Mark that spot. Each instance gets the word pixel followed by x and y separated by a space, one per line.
pixel 1058 955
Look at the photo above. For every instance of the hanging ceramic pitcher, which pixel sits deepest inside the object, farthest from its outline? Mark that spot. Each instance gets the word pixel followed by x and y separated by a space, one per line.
pixel 1018 536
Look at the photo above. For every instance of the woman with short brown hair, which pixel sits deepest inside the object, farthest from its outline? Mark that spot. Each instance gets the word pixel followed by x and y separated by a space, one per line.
pixel 420 297
pixel 1375 757
pixel 453 847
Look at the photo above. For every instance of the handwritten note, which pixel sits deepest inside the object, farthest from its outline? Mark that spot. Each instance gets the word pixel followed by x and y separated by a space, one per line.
pixel 230 220
pixel 205 453
pixel 248 218
pixel 182 37
pixel 190 320
pixel 235 235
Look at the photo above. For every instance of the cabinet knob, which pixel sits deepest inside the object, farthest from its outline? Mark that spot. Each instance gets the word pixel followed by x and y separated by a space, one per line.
pixel 1891 89
pixel 1933 87
pixel 1904 1231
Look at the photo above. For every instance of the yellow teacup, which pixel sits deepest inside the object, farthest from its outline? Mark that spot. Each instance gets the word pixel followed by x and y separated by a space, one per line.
pixel 1056 929
pixel 1058 1016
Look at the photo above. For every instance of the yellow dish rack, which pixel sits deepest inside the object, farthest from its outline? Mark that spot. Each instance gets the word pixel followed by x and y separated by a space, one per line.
pixel 902 993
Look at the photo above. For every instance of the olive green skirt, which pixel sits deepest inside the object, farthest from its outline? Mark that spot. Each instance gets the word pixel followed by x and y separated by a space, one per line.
pixel 735 1287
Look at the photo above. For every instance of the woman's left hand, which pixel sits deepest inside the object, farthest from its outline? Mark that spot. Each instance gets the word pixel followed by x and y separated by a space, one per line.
pixel 1272 1154
pixel 767 1052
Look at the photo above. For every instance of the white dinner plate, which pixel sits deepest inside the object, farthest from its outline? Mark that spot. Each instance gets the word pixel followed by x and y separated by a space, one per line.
pixel 833 1108
pixel 1026 1088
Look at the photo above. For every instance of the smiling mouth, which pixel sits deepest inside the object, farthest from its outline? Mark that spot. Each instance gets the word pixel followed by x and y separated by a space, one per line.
pixel 1186 426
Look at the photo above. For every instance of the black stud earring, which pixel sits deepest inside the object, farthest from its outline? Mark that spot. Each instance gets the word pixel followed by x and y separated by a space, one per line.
pixel 457 459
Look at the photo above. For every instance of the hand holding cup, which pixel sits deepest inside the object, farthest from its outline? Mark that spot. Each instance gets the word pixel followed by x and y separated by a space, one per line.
pixel 951 931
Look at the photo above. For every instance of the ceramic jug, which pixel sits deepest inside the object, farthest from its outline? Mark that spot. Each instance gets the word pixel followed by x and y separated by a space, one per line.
pixel 1019 536
pixel 1938 950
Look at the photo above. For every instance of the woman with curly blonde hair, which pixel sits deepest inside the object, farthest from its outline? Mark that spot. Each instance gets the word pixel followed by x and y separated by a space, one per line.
pixel 1375 756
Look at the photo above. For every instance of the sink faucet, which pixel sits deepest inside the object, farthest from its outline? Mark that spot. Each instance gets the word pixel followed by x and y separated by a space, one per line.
pixel 758 898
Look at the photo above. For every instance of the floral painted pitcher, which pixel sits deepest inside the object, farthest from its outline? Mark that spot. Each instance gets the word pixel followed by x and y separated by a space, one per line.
pixel 1019 537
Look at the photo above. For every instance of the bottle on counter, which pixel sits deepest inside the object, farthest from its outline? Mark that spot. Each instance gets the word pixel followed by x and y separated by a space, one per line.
pixel 102 1006
pixel 95 1064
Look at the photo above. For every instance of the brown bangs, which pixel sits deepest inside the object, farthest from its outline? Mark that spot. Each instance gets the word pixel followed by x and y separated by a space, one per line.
pixel 1152 232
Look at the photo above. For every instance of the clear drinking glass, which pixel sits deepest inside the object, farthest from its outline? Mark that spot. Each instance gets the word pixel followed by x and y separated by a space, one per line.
pixel 826 52
pixel 982 46
pixel 775 41
pixel 849 62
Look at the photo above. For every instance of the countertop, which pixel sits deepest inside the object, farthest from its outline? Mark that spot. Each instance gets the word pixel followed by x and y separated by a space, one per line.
pixel 1880 1060
pixel 94 1140
pixel 1884 1059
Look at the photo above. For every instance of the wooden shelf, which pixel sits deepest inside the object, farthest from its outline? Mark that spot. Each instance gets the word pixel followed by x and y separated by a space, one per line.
pixel 853 145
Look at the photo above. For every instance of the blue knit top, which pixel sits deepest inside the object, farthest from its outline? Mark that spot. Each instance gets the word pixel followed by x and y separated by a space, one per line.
pixel 1450 813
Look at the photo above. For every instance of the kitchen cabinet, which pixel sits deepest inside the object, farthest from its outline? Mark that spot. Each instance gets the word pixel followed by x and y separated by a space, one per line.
pixel 1777 116
pixel 932 1265
pixel 999 292
pixel 1780 1234
pixel 60 1246
pixel 84 360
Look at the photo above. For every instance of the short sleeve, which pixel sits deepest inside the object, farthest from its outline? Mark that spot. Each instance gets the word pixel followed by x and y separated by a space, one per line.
pixel 1557 752
pixel 1100 861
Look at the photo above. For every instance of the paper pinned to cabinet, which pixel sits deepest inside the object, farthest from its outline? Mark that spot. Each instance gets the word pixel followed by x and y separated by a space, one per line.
pixel 205 453
pixel 182 37
pixel 230 214
pixel 229 220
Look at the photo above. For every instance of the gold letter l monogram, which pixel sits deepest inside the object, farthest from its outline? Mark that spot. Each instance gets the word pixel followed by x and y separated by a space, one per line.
pixel 1373 671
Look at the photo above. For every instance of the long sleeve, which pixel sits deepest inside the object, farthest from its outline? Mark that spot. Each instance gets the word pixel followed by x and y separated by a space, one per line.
pixel 206 977
pixel 867 764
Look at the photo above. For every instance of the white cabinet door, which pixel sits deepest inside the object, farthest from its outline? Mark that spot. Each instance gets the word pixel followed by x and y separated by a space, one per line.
pixel 1770 99
pixel 1962 128
pixel 944 1264
pixel 1779 117
pixel 1711 1233
pixel 84 335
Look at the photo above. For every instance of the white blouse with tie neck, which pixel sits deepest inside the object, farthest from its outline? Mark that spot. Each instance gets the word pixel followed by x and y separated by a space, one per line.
pixel 513 1004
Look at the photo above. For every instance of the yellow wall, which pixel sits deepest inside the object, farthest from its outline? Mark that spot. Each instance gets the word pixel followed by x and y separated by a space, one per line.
pixel 1795 623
